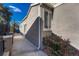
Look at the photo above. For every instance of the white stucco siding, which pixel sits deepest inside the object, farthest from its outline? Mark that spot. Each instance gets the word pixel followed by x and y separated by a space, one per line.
pixel 65 22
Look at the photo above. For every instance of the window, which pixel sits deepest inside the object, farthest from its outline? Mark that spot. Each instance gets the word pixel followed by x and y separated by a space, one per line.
pixel 50 17
pixel 46 19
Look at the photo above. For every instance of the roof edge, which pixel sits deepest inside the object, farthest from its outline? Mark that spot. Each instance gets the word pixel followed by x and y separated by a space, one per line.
pixel 34 4
pixel 57 4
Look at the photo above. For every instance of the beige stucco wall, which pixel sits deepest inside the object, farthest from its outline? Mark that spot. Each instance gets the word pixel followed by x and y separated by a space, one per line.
pixel 32 15
pixel 65 22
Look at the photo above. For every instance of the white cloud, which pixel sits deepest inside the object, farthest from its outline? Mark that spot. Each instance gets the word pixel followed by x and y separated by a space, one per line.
pixel 15 9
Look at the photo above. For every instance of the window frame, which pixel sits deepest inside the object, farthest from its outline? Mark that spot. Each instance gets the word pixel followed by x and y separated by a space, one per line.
pixel 49 27
pixel 46 19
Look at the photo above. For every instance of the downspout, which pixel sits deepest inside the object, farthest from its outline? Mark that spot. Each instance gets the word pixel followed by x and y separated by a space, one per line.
pixel 39 41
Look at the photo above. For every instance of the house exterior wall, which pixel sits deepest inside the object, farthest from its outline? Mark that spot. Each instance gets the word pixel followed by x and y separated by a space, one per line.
pixel 33 33
pixel 65 22
pixel 35 29
pixel 32 15
pixel 32 23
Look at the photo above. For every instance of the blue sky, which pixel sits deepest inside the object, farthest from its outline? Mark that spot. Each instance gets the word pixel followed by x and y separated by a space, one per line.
pixel 19 10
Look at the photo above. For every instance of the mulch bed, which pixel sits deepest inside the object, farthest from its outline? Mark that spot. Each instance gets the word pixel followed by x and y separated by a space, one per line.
pixel 56 46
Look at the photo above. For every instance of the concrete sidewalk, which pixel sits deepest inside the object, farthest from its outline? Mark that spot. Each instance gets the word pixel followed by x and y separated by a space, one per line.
pixel 22 47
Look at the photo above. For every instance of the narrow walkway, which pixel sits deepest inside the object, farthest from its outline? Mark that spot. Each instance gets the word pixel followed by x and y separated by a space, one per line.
pixel 22 47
